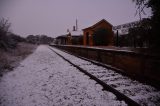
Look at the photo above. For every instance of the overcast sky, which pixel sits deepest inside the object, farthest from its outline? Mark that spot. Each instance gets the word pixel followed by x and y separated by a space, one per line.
pixel 54 17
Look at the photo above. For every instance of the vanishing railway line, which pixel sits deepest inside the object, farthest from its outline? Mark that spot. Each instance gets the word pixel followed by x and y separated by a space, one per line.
pixel 131 91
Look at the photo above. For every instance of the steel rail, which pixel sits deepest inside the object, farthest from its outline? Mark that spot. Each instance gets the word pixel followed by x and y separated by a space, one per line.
pixel 120 96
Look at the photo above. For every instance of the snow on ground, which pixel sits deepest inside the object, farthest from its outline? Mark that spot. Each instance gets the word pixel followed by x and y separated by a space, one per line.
pixel 45 79
pixel 140 92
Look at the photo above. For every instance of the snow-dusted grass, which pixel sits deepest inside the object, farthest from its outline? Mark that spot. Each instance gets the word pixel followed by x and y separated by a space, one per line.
pixel 45 79
pixel 11 58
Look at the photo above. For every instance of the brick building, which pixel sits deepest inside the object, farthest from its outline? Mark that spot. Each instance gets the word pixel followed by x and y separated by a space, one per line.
pixel 88 33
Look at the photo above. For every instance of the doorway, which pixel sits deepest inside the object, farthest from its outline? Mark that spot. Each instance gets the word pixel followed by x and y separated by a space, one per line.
pixel 87 38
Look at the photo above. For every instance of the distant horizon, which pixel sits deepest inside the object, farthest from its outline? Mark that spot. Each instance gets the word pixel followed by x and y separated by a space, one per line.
pixel 54 17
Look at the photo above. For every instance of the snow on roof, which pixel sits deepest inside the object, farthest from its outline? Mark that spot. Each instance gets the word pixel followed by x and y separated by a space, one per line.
pixel 62 36
pixel 76 33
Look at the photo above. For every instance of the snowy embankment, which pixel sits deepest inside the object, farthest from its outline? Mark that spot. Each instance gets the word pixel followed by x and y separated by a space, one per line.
pixel 141 93
pixel 12 57
pixel 45 79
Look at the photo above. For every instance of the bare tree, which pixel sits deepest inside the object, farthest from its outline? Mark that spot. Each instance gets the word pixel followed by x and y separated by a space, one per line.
pixel 140 5
pixel 4 25
pixel 155 20
pixel 4 30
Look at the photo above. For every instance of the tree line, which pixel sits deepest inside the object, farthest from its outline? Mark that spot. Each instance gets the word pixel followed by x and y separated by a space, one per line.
pixel 7 38
pixel 147 33
pixel 10 40
pixel 154 33
pixel 138 36
pixel 39 39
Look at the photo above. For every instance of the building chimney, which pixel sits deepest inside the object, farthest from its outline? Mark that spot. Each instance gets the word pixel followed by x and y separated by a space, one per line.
pixel 76 25
pixel 74 28
pixel 68 30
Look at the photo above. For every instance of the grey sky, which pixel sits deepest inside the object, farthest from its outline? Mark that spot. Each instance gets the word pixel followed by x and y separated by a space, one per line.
pixel 54 17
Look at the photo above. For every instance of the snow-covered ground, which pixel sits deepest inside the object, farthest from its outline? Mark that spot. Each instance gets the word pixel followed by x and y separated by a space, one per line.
pixel 45 79
pixel 141 93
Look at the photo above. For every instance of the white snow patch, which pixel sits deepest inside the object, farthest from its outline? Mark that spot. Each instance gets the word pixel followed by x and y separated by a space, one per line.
pixel 45 79
pixel 131 88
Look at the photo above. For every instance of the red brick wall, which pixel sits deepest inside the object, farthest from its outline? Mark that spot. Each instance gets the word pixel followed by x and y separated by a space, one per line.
pixel 92 29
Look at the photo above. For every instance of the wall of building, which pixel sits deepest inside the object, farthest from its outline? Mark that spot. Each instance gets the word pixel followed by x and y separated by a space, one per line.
pixel 96 27
pixel 89 33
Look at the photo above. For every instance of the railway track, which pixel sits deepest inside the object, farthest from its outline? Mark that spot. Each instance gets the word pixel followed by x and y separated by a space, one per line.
pixel 131 91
